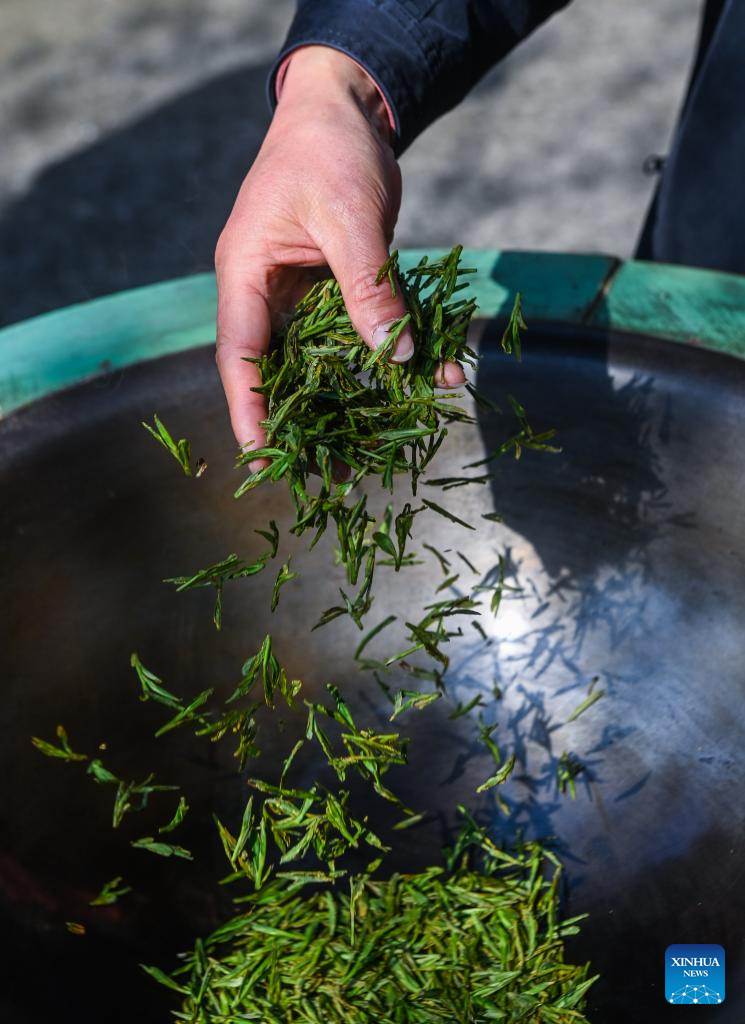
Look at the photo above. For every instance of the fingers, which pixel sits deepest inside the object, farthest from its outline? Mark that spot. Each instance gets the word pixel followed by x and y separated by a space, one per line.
pixel 243 329
pixel 355 260
pixel 371 307
pixel 449 375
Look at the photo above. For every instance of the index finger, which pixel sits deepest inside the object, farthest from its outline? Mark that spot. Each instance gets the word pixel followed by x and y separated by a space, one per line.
pixel 243 330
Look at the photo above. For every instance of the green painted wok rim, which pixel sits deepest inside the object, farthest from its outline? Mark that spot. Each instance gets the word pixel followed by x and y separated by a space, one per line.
pixel 592 293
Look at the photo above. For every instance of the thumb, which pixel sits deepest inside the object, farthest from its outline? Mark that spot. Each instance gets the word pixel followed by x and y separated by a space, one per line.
pixel 355 261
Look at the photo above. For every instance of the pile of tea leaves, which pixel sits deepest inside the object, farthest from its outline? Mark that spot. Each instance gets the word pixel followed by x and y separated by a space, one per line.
pixel 448 944
pixel 477 938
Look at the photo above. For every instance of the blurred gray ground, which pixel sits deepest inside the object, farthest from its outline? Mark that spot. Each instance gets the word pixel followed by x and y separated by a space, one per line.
pixel 128 125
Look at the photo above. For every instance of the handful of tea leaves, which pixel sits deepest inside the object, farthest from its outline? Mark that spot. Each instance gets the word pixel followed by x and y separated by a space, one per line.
pixel 333 400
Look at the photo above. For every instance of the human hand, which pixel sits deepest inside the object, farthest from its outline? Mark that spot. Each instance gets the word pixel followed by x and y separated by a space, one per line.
pixel 324 190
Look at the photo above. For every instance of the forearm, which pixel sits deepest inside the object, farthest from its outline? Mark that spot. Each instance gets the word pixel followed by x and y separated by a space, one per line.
pixel 424 56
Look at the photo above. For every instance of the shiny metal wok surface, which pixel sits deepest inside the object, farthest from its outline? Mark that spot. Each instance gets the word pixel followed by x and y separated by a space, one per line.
pixel 627 555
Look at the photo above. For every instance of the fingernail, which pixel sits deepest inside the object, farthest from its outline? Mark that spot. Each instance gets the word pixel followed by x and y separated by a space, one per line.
pixel 256 464
pixel 441 380
pixel 404 349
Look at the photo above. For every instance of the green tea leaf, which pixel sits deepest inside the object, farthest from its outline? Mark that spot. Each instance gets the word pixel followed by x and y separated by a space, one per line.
pixel 283 576
pixel 587 703
pixel 499 776
pixel 511 337
pixel 111 892
pixel 180 450
pixel 162 849
pixel 178 816
pixel 448 515
pixel 63 751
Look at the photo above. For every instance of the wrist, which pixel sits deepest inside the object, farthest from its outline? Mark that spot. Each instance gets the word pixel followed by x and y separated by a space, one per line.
pixel 319 74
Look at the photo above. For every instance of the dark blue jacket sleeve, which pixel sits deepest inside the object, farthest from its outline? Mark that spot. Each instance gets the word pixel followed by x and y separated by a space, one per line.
pixel 425 55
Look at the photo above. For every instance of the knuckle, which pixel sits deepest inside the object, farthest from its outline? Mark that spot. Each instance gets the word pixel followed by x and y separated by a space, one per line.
pixel 222 344
pixel 222 249
pixel 363 290
pixel 227 340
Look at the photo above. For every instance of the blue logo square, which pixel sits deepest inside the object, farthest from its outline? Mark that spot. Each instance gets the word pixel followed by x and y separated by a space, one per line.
pixel 694 974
